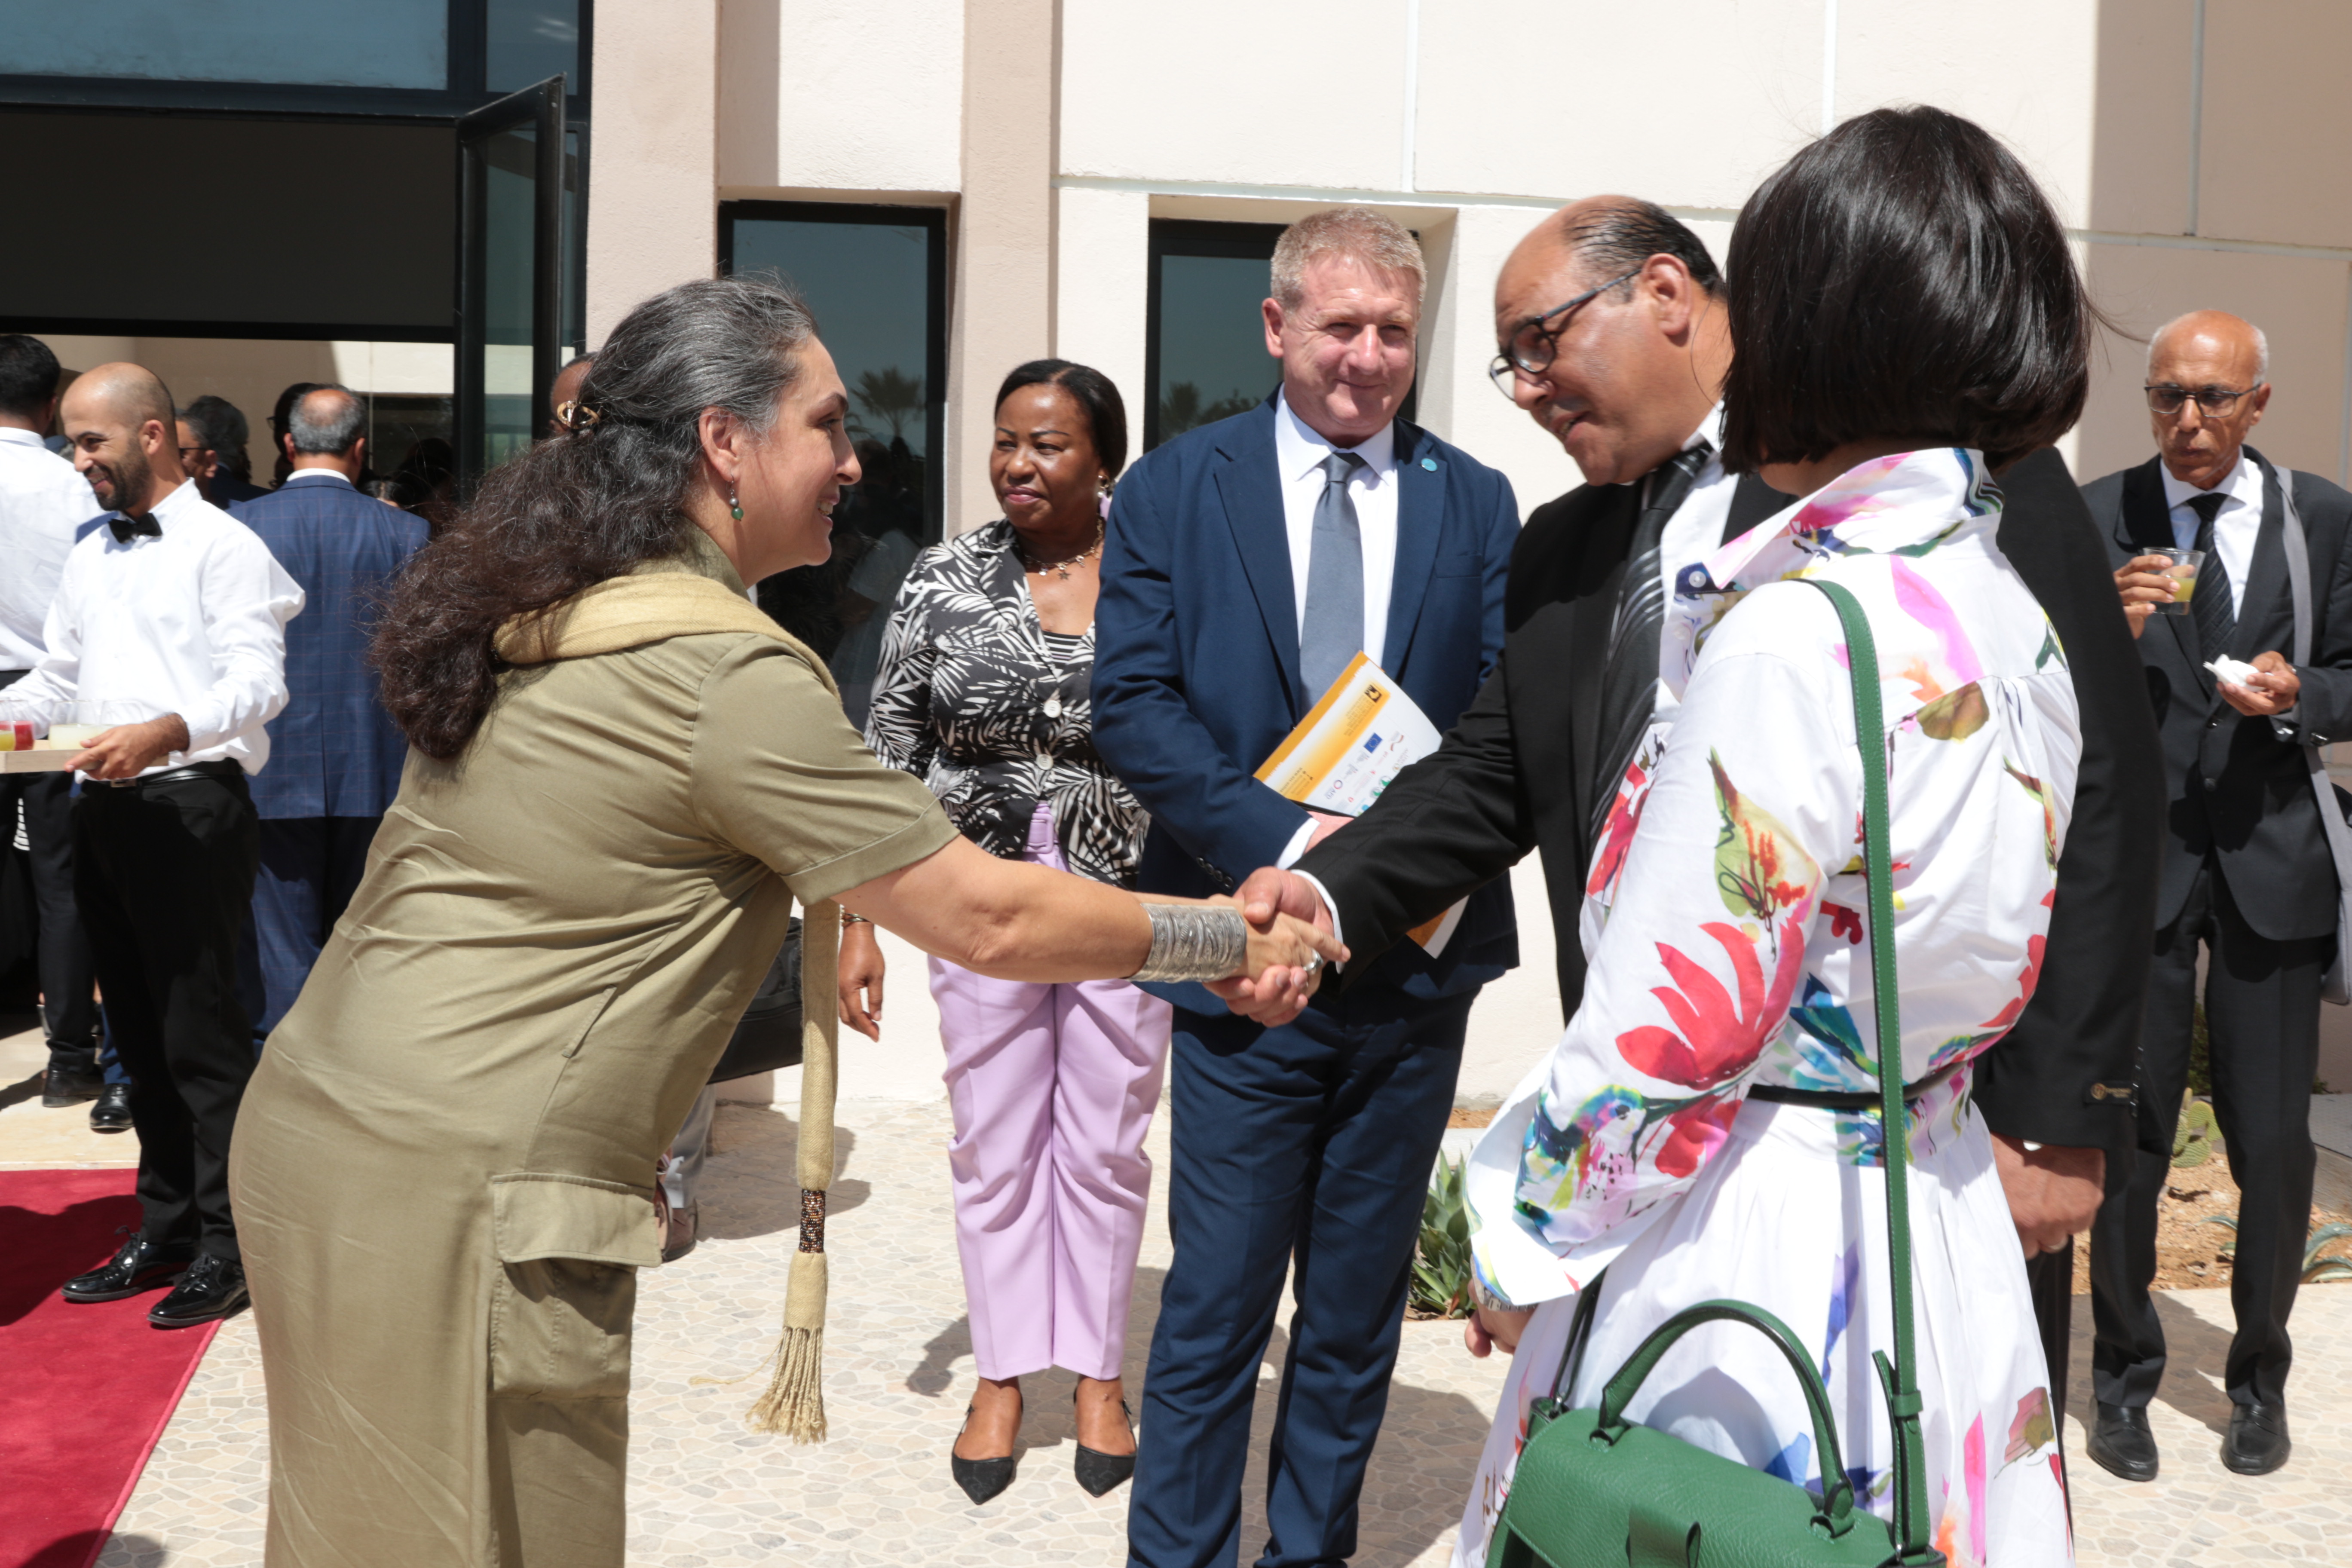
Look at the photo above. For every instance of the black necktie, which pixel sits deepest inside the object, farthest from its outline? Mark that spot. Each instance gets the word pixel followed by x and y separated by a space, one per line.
pixel 128 528
pixel 2209 606
pixel 1629 688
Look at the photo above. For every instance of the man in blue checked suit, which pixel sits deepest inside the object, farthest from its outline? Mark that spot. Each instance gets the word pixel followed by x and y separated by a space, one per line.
pixel 1247 563
pixel 334 755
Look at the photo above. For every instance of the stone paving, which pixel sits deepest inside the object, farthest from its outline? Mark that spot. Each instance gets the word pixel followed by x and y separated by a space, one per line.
pixel 706 1491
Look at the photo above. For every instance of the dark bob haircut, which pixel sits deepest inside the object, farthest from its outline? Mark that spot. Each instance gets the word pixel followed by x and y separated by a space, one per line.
pixel 1901 278
pixel 1105 412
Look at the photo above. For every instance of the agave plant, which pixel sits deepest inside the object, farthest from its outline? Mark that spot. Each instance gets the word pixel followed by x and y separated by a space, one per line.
pixel 2315 1268
pixel 1440 1265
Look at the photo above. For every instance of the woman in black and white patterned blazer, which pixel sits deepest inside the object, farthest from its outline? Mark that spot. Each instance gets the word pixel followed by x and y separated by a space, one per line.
pixel 982 692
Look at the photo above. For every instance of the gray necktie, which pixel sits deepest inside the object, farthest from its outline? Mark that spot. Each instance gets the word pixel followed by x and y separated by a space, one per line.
pixel 1333 631
pixel 2209 606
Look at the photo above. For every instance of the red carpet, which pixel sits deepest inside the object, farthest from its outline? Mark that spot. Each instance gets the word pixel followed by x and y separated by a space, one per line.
pixel 86 1390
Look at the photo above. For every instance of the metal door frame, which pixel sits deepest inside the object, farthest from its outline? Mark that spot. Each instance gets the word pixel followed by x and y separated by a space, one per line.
pixel 541 106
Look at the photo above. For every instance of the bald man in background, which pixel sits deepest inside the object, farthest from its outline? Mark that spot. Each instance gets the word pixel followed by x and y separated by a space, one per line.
pixel 2246 873
pixel 168 630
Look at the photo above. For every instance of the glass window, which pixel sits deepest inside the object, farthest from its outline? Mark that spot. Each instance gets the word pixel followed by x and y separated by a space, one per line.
pixel 876 278
pixel 337 42
pixel 530 40
pixel 1204 345
pixel 511 282
pixel 1206 339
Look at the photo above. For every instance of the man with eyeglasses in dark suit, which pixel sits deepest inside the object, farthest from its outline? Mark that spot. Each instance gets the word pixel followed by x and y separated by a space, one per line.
pixel 1613 340
pixel 2245 868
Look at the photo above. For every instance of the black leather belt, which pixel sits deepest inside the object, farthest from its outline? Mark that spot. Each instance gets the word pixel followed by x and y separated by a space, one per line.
pixel 224 769
pixel 1826 1099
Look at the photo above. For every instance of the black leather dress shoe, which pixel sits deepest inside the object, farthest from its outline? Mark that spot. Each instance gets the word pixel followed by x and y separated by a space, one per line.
pixel 211 1288
pixel 113 1111
pixel 139 1266
pixel 2121 1443
pixel 73 1077
pixel 2257 1442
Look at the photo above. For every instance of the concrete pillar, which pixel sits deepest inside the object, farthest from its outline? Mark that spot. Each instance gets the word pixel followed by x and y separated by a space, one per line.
pixel 1001 307
pixel 1102 286
pixel 653 184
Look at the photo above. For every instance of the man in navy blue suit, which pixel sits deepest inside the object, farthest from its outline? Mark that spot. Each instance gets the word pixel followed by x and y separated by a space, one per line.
pixel 1247 563
pixel 334 754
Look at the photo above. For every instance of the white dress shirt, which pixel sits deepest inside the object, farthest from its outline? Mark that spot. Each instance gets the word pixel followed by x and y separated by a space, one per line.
pixel 1299 454
pixel 2234 526
pixel 192 623
pixel 42 501
pixel 337 475
pixel 1695 530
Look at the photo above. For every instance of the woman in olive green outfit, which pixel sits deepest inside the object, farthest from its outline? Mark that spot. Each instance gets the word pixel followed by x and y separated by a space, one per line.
pixel 623 777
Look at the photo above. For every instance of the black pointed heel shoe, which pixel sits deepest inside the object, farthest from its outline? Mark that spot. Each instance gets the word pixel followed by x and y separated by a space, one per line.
pixel 980 1478
pixel 1098 1472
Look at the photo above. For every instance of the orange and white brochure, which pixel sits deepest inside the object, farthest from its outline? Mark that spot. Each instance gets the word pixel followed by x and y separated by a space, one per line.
pixel 1363 733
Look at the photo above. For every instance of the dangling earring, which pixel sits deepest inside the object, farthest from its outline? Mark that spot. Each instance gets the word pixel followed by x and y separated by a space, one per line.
pixel 734 507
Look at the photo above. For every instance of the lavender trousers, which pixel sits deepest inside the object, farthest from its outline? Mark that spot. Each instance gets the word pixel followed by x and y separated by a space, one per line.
pixel 1053 1088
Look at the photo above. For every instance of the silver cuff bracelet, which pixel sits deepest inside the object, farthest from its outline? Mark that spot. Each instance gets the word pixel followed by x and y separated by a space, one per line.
pixel 1193 941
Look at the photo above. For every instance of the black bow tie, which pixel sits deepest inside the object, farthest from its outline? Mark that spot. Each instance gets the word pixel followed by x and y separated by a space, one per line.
pixel 128 528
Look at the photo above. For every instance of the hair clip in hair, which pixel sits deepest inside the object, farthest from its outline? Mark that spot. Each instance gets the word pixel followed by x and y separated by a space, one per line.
pixel 576 416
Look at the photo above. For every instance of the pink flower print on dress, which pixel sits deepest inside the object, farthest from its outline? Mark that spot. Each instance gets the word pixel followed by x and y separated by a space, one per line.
pixel 1617 835
pixel 1720 1037
pixel 1956 664
pixel 1700 1129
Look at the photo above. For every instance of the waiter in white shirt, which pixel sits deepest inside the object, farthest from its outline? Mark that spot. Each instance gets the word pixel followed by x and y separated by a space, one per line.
pixel 42 502
pixel 169 626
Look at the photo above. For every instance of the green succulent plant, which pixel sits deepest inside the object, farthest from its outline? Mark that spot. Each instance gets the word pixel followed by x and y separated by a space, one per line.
pixel 1441 1264
pixel 2197 1134
pixel 2315 1268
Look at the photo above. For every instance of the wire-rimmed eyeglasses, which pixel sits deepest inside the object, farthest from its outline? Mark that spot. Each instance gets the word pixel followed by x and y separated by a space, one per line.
pixel 1533 344
pixel 2213 402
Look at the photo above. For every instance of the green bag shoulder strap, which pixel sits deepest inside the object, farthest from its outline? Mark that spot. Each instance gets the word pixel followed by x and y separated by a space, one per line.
pixel 1899 1378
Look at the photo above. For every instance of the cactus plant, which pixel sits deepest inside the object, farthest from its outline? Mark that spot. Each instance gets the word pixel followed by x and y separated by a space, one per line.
pixel 1441 1264
pixel 2196 1135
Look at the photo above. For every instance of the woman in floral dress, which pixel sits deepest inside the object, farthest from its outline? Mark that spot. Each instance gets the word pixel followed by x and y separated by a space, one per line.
pixel 1907 321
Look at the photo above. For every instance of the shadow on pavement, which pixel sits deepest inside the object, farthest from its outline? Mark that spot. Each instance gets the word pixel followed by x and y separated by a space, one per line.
pixel 751 1185
pixel 2195 1353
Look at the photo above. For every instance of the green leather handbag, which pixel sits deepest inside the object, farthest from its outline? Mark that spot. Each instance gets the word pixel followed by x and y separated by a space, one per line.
pixel 1594 1490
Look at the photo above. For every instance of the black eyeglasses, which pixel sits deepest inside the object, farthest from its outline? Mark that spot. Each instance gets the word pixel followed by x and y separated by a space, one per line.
pixel 1532 344
pixel 2213 402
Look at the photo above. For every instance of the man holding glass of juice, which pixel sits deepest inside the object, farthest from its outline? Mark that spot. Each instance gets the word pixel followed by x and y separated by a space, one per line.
pixel 2197 536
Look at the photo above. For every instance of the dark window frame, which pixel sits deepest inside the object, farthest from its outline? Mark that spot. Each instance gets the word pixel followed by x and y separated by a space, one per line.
pixel 468 88
pixel 935 289
pixel 1185 236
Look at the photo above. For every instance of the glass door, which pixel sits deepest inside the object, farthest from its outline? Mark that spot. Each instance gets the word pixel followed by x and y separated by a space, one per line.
pixel 511 197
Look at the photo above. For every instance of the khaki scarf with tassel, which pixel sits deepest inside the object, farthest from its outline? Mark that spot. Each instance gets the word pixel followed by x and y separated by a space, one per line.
pixel 648 607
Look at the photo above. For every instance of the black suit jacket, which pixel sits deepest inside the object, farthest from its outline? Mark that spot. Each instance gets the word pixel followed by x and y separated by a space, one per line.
pixel 1516 773
pixel 2237 788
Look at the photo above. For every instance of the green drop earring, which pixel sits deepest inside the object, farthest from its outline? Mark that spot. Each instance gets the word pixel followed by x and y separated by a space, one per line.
pixel 734 507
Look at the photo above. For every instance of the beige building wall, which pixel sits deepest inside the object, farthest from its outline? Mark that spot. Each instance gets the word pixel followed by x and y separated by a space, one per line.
pixel 2191 147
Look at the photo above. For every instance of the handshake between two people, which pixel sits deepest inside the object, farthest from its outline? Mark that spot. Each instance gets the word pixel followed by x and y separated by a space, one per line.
pixel 1278 993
